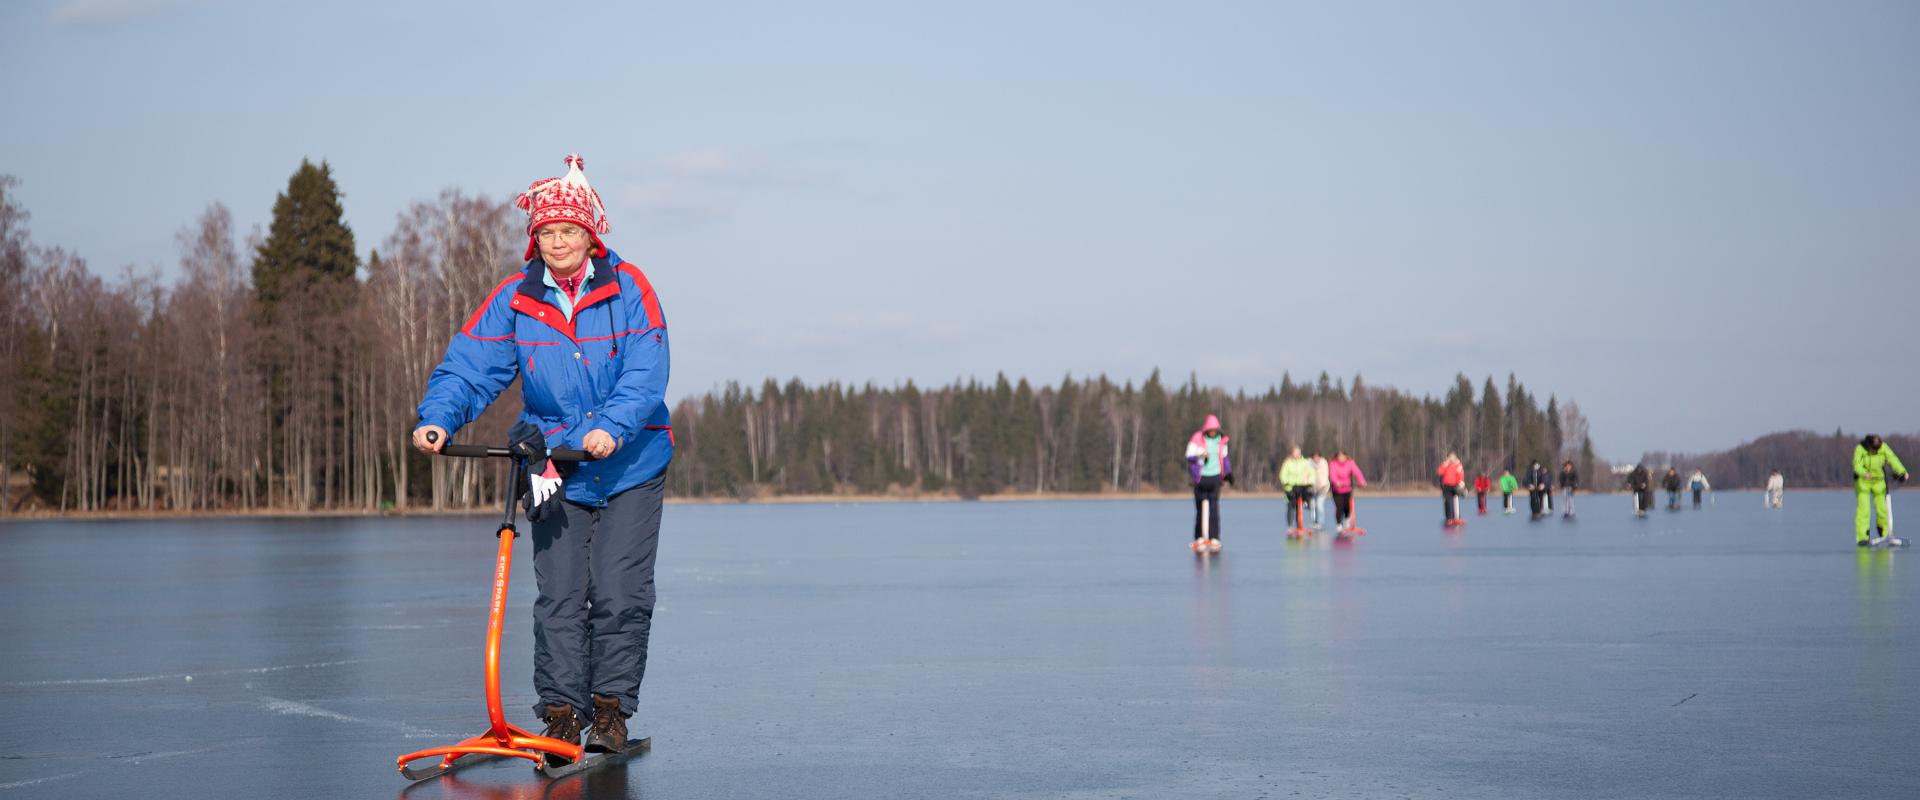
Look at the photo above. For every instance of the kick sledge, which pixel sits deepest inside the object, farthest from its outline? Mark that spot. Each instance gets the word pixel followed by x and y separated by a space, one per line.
pixel 1208 542
pixel 1299 529
pixel 1352 528
pixel 552 757
pixel 1883 543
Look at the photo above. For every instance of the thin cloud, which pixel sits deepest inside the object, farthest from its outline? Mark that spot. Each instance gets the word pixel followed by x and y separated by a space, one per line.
pixel 97 13
pixel 701 185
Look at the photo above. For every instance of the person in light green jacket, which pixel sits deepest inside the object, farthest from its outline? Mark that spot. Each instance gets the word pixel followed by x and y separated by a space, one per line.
pixel 1296 477
pixel 1871 458
pixel 1508 484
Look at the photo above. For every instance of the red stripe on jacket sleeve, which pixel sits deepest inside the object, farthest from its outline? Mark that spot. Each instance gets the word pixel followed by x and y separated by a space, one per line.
pixel 651 301
pixel 475 319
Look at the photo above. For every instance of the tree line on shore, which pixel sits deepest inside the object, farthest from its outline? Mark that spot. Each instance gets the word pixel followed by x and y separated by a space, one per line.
pixel 972 438
pixel 1805 459
pixel 283 373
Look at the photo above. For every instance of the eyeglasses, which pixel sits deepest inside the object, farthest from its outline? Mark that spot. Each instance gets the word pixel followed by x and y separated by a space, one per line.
pixel 550 234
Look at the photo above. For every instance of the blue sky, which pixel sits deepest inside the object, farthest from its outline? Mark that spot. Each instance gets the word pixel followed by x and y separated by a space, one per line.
pixel 1701 220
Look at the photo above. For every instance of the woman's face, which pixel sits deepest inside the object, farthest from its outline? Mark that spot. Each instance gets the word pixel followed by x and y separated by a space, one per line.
pixel 563 245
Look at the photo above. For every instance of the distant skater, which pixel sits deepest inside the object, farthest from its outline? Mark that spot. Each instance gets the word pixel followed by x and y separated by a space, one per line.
pixel 1776 487
pixel 1698 483
pixel 1343 476
pixel 1210 466
pixel 1671 483
pixel 1296 477
pixel 1539 489
pixel 1321 488
pixel 1508 485
pixel 1871 459
pixel 1640 483
pixel 1453 483
pixel 1569 481
pixel 1480 487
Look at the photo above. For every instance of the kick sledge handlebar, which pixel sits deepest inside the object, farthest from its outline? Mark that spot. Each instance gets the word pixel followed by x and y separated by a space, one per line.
pixel 483 451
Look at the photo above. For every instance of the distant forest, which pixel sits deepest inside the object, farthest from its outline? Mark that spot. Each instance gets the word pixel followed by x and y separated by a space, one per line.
pixel 283 374
pixel 1092 435
pixel 1805 459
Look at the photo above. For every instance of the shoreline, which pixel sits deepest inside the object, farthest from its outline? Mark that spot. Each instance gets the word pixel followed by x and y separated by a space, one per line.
pixel 797 499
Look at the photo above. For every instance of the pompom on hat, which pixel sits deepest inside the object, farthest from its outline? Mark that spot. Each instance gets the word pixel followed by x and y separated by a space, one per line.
pixel 568 198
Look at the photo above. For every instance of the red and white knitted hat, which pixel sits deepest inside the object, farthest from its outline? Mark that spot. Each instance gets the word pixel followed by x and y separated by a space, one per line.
pixel 568 198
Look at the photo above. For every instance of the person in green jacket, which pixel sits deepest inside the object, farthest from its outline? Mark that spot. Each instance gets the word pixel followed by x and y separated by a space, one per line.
pixel 1296 477
pixel 1508 484
pixel 1871 458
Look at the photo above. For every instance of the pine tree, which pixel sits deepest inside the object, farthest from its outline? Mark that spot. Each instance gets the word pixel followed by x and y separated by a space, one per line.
pixel 308 241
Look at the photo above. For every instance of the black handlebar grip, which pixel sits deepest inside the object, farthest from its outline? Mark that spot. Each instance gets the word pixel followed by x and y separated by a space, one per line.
pixel 470 451
pixel 568 454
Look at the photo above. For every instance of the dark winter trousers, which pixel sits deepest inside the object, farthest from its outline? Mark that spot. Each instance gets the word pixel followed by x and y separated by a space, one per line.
pixel 1696 498
pixel 590 623
pixel 1342 508
pixel 1449 496
pixel 1506 500
pixel 1206 501
pixel 1537 500
pixel 1482 497
pixel 1297 499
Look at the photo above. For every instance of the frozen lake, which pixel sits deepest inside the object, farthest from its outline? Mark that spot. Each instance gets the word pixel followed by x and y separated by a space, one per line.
pixel 1009 650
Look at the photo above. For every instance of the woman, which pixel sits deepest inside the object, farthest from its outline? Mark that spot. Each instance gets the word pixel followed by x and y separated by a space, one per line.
pixel 584 333
pixel 1209 466
pixel 1342 476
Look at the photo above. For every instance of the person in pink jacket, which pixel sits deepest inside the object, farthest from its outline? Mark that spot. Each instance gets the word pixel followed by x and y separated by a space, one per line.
pixel 1343 475
pixel 1209 466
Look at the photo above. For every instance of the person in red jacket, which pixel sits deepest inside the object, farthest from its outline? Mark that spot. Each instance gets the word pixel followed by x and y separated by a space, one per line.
pixel 1480 488
pixel 1453 483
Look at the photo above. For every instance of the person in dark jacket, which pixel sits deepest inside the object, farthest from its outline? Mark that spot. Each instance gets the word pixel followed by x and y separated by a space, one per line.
pixel 1539 488
pixel 1640 483
pixel 583 332
pixel 1671 483
pixel 1569 481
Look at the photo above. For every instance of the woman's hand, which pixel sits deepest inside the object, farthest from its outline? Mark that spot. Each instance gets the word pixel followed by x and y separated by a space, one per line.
pixel 421 443
pixel 599 443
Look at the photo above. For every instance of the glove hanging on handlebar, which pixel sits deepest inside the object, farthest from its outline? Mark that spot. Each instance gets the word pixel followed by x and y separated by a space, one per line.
pixel 543 491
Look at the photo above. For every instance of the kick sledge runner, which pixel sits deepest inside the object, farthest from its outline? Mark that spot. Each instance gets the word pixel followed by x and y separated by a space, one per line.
pixel 1343 477
pixel 1873 507
pixel 583 332
pixel 1296 477
pixel 1210 467
pixel 1453 483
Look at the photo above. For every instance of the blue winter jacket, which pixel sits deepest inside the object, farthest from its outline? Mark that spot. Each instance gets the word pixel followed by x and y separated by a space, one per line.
pixel 606 369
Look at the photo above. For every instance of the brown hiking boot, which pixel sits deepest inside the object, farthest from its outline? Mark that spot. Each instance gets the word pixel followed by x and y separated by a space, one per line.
pixel 609 734
pixel 562 724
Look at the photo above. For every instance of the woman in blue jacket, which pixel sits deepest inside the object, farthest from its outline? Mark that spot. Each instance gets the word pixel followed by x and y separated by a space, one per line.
pixel 584 332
